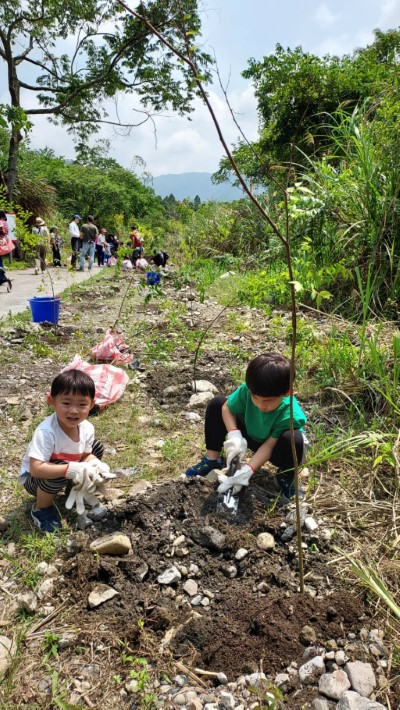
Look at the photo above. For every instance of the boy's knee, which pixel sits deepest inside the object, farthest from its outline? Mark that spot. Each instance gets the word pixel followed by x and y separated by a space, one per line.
pixel 286 440
pixel 216 403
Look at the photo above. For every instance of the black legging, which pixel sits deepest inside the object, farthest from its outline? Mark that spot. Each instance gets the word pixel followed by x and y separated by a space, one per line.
pixel 282 456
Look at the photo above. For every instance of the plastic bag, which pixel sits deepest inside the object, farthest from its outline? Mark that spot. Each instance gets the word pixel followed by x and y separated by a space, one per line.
pixel 112 349
pixel 110 381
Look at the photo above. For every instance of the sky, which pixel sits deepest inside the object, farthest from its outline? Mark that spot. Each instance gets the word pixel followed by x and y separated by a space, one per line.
pixel 234 30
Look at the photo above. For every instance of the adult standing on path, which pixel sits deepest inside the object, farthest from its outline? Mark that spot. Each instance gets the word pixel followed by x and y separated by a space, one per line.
pixel 89 236
pixel 41 231
pixel 100 243
pixel 75 234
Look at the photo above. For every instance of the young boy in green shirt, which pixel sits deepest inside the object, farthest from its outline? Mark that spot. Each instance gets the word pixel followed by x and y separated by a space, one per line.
pixel 256 415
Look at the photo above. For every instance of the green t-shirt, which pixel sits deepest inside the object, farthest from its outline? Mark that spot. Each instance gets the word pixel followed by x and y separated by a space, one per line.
pixel 261 425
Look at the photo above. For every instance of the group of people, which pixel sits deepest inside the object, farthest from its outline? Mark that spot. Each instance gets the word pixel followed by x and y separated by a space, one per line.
pixel 89 241
pixel 255 416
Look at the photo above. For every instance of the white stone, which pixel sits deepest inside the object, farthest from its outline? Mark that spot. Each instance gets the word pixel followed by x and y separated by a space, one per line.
pixel 340 657
pixel 227 700
pixel 351 700
pixel 41 568
pixel 8 650
pixel 113 544
pixel 192 417
pixel 28 602
pixel 45 589
pixel 100 594
pixel 361 677
pixel 199 400
pixel 281 679
pixel 310 524
pixel 320 704
pixel 203 386
pixel 333 685
pixel 191 587
pixel 132 686
pixel 179 540
pixel 255 679
pixel 195 601
pixel 265 541
pixel 170 576
pixel 310 671
pixel 241 554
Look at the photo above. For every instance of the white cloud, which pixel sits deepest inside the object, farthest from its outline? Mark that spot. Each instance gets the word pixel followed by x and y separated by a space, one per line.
pixel 344 43
pixel 323 16
pixel 390 14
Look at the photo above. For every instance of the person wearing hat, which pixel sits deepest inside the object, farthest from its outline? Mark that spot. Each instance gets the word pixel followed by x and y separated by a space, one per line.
pixel 76 241
pixel 56 243
pixel 42 233
pixel 89 236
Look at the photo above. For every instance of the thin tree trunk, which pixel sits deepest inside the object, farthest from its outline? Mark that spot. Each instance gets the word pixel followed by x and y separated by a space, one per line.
pixel 11 172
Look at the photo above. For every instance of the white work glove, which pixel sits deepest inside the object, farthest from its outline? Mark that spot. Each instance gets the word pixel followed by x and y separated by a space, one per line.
pixel 78 472
pixel 240 478
pixel 235 445
pixel 99 473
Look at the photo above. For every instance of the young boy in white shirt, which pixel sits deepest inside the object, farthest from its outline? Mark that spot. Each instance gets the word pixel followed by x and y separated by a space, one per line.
pixel 61 447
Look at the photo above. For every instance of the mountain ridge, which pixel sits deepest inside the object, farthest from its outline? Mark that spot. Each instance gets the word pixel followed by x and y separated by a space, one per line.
pixel 188 185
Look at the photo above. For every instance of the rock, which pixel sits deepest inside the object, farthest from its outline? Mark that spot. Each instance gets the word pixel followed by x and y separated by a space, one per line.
pixel 190 587
pixel 46 610
pixel 3 524
pixel 222 679
pixel 241 554
pixel 310 524
pixel 227 700
pixel 100 594
pixel 179 541
pixel 142 571
pixel 282 681
pixel 351 700
pixel 195 601
pixel 113 544
pixel 67 640
pixel 199 400
pixel 45 589
pixel 265 541
pixel 310 671
pixel 210 537
pixel 169 576
pixel 331 645
pixel 28 602
pixel 256 680
pixel 41 568
pixel 340 658
pixel 307 635
pixel 288 533
pixel 8 649
pixel 113 494
pixel 192 417
pixel 203 386
pixel 333 685
pixel 180 699
pixel 171 391
pixel 97 513
pixel 132 686
pixel 361 677
pixel 320 704
pixel 139 487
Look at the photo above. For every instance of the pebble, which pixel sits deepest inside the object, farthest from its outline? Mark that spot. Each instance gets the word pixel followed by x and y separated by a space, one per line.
pixel 195 601
pixel 307 635
pixel 8 649
pixel 97 513
pixel 113 544
pixel 190 587
pixel 139 488
pixel 241 554
pixel 192 417
pixel 227 700
pixel 28 602
pixel 310 671
pixel 199 400
pixel 41 568
pixel 100 594
pixel 288 533
pixel 170 576
pixel 3 524
pixel 310 524
pixel 353 701
pixel 210 538
pixel 255 679
pixel 320 704
pixel 333 685
pixel 361 677
pixel 203 386
pixel 265 541
pixel 46 589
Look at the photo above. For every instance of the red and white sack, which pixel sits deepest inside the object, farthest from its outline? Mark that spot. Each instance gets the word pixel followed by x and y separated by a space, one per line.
pixel 112 348
pixel 110 381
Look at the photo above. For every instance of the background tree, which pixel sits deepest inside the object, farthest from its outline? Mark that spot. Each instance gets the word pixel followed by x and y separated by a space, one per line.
pixel 72 88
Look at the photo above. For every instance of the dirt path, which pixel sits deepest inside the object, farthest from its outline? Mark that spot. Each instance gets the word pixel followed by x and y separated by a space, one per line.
pixel 26 285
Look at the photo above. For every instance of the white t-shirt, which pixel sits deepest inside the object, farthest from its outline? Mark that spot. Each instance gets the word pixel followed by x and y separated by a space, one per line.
pixel 51 443
pixel 74 230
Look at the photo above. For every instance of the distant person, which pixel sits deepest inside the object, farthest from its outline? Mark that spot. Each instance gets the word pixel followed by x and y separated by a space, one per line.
pixel 113 242
pixel 3 234
pixel 56 244
pixel 100 243
pixel 43 238
pixel 160 258
pixel 89 236
pixel 75 235
pixel 137 243
pixel 106 253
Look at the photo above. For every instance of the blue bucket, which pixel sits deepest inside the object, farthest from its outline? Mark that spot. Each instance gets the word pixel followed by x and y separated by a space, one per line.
pixel 45 308
pixel 153 278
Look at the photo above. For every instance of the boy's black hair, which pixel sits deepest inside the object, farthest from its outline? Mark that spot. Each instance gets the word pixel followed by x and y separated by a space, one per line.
pixel 73 382
pixel 268 375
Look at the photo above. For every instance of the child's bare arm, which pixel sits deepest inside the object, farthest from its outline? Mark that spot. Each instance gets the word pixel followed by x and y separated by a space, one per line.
pixel 263 454
pixel 229 418
pixel 46 470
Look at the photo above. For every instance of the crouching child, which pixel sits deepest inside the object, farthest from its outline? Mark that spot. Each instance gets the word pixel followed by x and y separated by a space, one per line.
pixel 255 416
pixel 63 451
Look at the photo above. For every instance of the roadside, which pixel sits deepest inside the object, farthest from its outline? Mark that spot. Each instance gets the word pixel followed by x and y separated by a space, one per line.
pixel 25 285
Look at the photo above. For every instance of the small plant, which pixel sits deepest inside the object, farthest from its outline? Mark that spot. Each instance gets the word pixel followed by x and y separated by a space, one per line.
pixel 268 696
pixel 59 693
pixel 50 644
